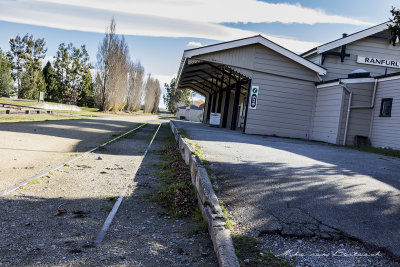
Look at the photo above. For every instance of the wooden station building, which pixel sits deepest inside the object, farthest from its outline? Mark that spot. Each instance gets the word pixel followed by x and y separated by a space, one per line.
pixel 343 92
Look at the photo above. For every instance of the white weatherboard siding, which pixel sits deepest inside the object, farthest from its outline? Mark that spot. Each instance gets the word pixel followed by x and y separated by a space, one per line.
pixel 327 114
pixel 284 106
pixel 240 57
pixel 385 130
pixel 369 47
pixel 286 96
pixel 360 119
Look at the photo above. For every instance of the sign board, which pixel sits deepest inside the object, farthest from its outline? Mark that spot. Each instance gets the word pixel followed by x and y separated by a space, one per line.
pixel 215 119
pixel 41 96
pixel 253 97
pixel 390 63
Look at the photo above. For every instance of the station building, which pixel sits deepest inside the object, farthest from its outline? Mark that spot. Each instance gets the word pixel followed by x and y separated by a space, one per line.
pixel 343 92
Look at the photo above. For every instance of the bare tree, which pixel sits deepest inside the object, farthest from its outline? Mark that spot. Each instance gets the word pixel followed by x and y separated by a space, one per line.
pixel 157 95
pixel 113 65
pixel 135 86
pixel 152 96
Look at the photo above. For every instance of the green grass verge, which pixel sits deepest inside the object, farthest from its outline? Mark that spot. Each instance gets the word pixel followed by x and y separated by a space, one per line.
pixel 377 150
pixel 31 118
pixel 19 102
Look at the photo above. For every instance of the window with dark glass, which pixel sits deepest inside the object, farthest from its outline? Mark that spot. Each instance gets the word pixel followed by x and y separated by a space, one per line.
pixel 386 107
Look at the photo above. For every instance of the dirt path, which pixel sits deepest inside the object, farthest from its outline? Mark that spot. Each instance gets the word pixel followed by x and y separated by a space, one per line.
pixel 29 148
pixel 140 235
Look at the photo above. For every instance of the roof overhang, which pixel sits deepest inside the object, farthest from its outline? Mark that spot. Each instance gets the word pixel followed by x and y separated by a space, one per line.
pixel 348 39
pixel 258 39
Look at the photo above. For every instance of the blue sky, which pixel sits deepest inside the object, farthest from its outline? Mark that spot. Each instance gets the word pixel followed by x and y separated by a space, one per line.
pixel 158 31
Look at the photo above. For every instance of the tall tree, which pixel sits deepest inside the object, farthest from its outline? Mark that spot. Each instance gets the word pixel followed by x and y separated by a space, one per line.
pixel 111 81
pixel 52 92
pixel 71 65
pixel 25 56
pixel 135 86
pixel 152 95
pixel 174 97
pixel 5 75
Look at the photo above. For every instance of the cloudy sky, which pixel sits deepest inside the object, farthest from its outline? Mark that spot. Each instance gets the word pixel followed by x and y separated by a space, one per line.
pixel 158 31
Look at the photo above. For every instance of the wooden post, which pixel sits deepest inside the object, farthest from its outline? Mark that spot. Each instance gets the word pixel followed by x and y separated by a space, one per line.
pixel 235 106
pixel 247 105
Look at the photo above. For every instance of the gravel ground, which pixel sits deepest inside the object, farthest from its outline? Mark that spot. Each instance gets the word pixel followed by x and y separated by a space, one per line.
pixel 140 235
pixel 29 148
pixel 321 252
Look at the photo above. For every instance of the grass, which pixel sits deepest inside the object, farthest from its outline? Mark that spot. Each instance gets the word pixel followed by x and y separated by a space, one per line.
pixel 19 102
pixel 73 154
pixel 249 254
pixel 34 181
pixel 377 150
pixel 150 136
pixel 30 118
pixel 176 193
pixel 200 226
pixel 229 223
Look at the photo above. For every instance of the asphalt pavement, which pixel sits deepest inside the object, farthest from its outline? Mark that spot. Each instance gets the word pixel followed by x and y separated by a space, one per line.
pixel 303 188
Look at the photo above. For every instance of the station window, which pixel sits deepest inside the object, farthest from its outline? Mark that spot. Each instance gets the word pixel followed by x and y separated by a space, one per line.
pixel 386 107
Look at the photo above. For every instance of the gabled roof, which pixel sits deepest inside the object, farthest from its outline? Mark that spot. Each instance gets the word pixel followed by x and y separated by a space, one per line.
pixel 348 39
pixel 258 39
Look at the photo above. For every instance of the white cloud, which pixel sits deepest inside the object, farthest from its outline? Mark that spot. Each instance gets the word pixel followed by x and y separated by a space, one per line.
pixel 210 11
pixel 168 18
pixel 194 44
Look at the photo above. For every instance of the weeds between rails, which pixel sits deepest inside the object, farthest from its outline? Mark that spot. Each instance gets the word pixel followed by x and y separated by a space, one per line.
pixel 176 194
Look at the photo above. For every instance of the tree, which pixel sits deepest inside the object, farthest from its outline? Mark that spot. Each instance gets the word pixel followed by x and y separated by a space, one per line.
pixel 32 82
pixel 111 81
pixel 5 75
pixel 152 95
pixel 135 86
pixel 71 65
pixel 394 26
pixel 174 97
pixel 25 56
pixel 52 92
pixel 85 97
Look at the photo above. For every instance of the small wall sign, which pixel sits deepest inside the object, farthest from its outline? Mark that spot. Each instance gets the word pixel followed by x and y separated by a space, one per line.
pixel 215 119
pixel 390 63
pixel 253 97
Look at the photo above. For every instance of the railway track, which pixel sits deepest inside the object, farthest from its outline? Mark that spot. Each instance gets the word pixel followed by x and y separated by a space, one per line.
pixel 39 175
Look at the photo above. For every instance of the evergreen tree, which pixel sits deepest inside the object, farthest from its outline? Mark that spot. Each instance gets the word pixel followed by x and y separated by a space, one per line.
pixel 175 97
pixel 25 55
pixel 70 67
pixel 32 82
pixel 52 92
pixel 5 75
pixel 86 92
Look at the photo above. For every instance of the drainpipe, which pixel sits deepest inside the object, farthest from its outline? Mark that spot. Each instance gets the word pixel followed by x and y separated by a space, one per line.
pixel 373 97
pixel 349 108
pixel 348 111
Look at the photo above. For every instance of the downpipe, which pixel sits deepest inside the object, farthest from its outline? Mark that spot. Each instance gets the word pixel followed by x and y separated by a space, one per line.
pixel 349 107
pixel 348 111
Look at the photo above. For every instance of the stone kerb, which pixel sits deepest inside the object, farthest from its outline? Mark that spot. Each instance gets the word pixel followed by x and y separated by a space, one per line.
pixel 208 203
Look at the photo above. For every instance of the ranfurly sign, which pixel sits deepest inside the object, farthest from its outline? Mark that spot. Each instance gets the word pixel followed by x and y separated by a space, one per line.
pixel 379 62
pixel 253 97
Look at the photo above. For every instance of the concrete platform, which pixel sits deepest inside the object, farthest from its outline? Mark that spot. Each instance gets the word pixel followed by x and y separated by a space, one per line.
pixel 304 188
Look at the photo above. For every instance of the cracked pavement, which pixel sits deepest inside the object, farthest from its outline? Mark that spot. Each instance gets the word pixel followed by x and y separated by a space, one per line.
pixel 303 188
